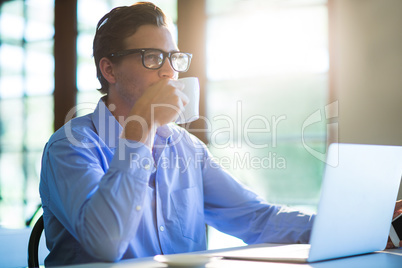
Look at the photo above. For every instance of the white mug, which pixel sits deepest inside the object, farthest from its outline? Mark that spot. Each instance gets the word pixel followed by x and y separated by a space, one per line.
pixel 192 91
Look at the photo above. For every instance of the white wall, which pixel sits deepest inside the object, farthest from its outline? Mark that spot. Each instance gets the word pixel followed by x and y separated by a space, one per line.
pixel 366 75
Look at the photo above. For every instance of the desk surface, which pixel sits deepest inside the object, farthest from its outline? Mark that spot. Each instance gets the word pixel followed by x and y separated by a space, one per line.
pixel 387 258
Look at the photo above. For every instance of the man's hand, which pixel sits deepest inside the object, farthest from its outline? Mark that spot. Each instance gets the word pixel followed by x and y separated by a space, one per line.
pixel 397 211
pixel 162 102
pixel 159 105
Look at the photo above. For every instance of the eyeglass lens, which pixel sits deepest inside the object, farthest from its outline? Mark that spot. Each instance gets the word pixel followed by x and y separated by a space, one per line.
pixel 153 59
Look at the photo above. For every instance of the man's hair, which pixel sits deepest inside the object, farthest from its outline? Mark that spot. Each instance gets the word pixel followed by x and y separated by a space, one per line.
pixel 116 26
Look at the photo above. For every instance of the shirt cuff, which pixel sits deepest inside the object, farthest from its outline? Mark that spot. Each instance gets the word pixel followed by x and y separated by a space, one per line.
pixel 135 158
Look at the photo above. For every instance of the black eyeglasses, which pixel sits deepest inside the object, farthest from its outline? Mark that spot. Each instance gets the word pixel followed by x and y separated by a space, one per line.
pixel 153 58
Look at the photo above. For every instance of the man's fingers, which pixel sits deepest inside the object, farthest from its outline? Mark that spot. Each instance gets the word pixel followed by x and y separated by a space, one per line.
pixel 398 205
pixel 183 97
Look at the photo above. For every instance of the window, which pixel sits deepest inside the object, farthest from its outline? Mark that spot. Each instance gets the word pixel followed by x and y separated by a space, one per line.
pixel 26 88
pixel 267 72
pixel 26 103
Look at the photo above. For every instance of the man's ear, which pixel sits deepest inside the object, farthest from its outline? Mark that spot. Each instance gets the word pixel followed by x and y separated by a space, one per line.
pixel 107 69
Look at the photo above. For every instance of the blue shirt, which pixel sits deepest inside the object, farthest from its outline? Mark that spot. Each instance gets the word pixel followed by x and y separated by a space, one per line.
pixel 105 198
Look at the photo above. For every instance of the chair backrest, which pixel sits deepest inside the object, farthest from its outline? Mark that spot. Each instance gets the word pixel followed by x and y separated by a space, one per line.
pixel 33 244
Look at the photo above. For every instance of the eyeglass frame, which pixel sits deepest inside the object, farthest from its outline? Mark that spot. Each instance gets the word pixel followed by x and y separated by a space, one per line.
pixel 126 52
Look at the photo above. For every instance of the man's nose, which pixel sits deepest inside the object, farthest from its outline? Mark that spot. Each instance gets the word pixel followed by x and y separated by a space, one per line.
pixel 167 70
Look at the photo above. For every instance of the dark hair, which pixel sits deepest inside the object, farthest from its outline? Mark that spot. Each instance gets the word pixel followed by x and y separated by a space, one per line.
pixel 118 24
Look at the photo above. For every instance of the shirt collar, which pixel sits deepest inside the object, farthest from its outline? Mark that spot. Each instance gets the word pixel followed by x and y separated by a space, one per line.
pixel 164 131
pixel 109 129
pixel 106 125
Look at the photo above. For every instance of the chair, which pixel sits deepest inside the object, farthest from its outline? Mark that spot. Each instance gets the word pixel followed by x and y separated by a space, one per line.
pixel 33 244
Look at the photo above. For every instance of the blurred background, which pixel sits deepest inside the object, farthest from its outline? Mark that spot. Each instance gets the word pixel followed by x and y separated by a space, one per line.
pixel 280 80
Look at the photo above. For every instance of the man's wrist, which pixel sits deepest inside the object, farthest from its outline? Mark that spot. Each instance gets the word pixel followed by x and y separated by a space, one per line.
pixel 138 129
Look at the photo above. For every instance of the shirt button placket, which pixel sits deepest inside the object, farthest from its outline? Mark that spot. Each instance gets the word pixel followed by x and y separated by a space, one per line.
pixel 163 236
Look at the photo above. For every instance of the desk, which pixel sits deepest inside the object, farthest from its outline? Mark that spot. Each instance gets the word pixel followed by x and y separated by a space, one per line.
pixel 391 258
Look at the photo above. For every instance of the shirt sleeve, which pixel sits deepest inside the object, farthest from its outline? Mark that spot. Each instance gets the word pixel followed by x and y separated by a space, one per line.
pixel 232 208
pixel 100 205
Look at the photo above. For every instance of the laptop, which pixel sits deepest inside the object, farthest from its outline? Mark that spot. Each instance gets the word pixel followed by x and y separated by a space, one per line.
pixel 358 195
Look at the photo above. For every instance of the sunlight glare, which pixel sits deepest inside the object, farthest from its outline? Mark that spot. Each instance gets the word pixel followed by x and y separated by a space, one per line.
pixel 267 42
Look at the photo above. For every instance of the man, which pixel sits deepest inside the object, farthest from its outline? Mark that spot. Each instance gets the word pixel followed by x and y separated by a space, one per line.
pixel 126 182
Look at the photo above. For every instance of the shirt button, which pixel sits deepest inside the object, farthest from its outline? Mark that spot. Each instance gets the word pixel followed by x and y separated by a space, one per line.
pixel 161 228
pixel 138 208
pixel 147 167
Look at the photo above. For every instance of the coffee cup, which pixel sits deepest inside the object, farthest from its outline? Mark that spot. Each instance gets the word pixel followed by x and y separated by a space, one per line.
pixel 192 91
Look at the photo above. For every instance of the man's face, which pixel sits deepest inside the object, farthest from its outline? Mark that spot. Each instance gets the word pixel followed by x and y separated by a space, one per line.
pixel 132 78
